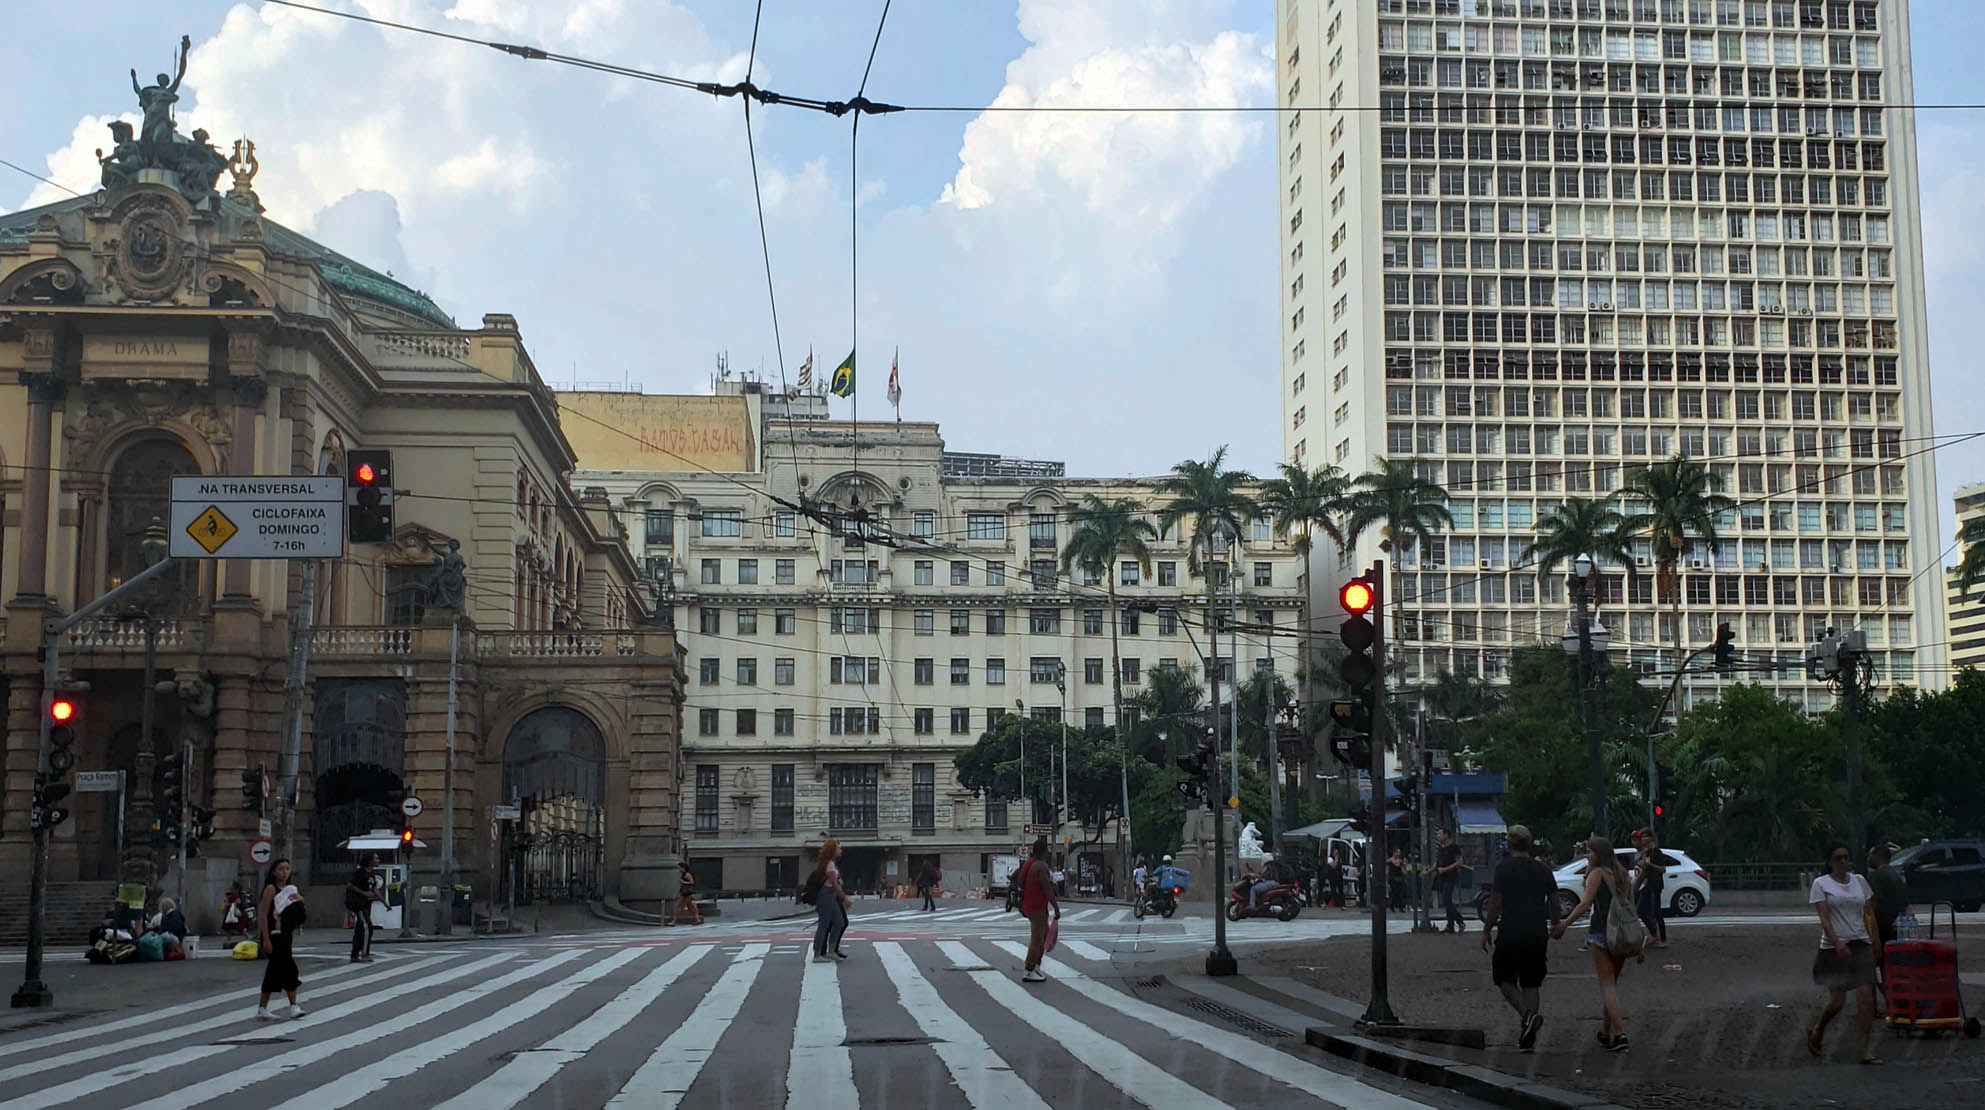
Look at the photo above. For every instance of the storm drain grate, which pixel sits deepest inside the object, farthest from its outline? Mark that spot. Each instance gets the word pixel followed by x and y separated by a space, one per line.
pixel 1236 1018
pixel 1151 984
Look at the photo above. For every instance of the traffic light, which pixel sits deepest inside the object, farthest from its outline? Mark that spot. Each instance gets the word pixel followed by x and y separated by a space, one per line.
pixel 1351 717
pixel 406 834
pixel 46 811
pixel 1360 819
pixel 64 716
pixel 1725 647
pixel 170 783
pixel 1200 766
pixel 251 789
pixel 369 496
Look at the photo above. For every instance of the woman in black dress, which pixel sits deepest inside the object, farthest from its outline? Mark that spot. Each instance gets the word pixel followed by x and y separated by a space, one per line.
pixel 279 925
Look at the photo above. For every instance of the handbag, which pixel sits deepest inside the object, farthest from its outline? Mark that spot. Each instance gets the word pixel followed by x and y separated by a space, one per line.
pixel 1054 933
pixel 1625 934
pixel 351 920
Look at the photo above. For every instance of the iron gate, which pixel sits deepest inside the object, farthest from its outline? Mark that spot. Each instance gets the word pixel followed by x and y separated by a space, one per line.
pixel 329 862
pixel 560 866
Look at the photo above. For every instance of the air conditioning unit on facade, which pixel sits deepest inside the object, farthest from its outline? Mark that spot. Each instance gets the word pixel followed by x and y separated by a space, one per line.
pixel 1484 565
pixel 1696 564
pixel 1642 561
pixel 1431 566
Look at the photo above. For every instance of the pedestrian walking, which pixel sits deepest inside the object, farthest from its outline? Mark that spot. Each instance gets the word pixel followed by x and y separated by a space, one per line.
pixel 1846 959
pixel 1891 898
pixel 685 899
pixel 1395 879
pixel 360 894
pixel 1037 898
pixel 1447 879
pixel 1605 880
pixel 1522 913
pixel 1650 882
pixel 927 878
pixel 281 916
pixel 1333 879
pixel 830 905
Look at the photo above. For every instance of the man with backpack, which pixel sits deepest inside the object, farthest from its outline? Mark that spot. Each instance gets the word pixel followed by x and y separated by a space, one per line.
pixel 1037 896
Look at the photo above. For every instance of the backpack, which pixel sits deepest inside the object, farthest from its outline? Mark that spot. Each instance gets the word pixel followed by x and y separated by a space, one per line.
pixel 1625 934
pixel 810 893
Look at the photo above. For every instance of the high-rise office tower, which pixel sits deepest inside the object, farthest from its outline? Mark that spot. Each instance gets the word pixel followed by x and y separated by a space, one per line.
pixel 1534 244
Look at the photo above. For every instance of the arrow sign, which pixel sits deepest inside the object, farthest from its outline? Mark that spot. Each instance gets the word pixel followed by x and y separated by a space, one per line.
pixel 262 851
pixel 411 806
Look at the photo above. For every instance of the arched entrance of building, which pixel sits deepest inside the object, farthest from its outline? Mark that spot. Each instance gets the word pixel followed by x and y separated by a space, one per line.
pixel 554 770
pixel 358 749
pixel 101 821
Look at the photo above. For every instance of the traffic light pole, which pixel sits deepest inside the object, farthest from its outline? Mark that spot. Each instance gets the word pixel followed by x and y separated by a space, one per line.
pixel 1220 961
pixel 293 687
pixel 1379 1011
pixel 33 991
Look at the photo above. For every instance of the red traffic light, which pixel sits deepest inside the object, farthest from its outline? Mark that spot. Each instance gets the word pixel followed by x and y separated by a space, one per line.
pixel 61 710
pixel 1356 596
pixel 406 838
pixel 1660 810
pixel 364 475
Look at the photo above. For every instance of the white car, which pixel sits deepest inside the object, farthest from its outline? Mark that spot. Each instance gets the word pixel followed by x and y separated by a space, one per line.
pixel 1684 892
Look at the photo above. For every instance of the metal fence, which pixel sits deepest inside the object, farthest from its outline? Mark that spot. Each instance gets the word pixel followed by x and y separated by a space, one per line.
pixel 1760 876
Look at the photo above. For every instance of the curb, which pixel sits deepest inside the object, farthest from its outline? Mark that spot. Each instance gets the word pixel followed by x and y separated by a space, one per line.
pixel 1472 1080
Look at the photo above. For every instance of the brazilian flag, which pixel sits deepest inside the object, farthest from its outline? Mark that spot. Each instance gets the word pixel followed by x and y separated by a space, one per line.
pixel 842 384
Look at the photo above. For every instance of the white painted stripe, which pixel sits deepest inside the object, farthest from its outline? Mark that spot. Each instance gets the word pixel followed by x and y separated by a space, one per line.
pixel 169 1015
pixel 1117 918
pixel 988 1080
pixel 356 1085
pixel 987 915
pixel 527 1071
pixel 953 915
pixel 1125 1070
pixel 1253 1055
pixel 676 1062
pixel 368 1033
pixel 820 1071
pixel 1084 949
pixel 149 1065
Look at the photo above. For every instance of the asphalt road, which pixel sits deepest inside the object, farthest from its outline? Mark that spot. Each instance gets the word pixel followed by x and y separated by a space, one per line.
pixel 927 1012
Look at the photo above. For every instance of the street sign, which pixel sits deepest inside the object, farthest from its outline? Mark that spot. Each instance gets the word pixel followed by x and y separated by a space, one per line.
pixel 265 828
pixel 275 517
pixel 99 782
pixel 1040 830
pixel 261 851
pixel 506 812
pixel 411 806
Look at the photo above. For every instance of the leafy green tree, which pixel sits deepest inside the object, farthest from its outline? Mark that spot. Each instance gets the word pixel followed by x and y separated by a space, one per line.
pixel 1171 714
pixel 1673 501
pixel 1535 736
pixel 1095 764
pixel 1927 753
pixel 1579 526
pixel 1756 779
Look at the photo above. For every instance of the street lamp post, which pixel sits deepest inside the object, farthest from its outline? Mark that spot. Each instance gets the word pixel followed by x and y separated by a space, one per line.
pixel 1585 638
pixel 1061 812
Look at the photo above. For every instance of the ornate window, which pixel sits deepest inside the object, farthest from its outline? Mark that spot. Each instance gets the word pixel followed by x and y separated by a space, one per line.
pixel 140 491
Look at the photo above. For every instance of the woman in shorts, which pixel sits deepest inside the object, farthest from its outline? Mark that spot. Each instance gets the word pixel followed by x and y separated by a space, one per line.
pixel 1846 959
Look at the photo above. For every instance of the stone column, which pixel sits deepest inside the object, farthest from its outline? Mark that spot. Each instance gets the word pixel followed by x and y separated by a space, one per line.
pixel 244 358
pixel 37 477
pixel 651 845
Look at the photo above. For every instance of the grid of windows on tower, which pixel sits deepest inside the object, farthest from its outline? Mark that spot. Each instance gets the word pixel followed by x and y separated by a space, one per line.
pixel 1613 231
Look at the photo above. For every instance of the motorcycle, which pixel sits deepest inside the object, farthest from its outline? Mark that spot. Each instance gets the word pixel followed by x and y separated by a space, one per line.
pixel 1157 898
pixel 1282 902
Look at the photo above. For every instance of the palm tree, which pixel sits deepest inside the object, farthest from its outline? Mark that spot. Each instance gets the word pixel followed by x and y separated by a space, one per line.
pixel 1300 502
pixel 1406 509
pixel 1105 531
pixel 1213 501
pixel 1674 500
pixel 1579 526
pixel 1971 569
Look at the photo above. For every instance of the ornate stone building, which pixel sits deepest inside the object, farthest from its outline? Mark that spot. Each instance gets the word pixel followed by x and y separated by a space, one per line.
pixel 155 328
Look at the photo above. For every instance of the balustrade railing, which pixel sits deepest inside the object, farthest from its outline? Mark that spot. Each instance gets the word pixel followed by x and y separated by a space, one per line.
pixel 361 641
pixel 112 634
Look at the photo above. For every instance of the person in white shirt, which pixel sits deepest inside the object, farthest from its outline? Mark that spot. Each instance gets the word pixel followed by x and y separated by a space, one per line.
pixel 1846 959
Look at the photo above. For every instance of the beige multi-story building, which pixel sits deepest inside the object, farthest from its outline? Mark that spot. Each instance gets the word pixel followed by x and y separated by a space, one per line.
pixel 834 678
pixel 1533 244
pixel 1966 609
pixel 158 328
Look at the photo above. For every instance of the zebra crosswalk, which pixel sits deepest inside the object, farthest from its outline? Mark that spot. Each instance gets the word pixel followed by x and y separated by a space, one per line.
pixel 931 1023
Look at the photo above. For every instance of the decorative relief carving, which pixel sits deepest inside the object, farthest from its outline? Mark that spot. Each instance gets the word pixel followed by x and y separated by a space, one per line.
pixel 150 256
pixel 250 391
pixel 155 404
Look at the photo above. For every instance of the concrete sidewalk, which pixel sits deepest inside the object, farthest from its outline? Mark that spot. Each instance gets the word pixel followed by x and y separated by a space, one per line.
pixel 1716 1020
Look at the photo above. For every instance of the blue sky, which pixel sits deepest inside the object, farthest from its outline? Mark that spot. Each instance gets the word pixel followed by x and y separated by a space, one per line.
pixel 1097 289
